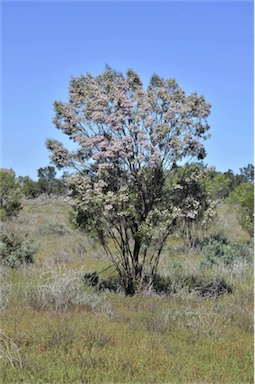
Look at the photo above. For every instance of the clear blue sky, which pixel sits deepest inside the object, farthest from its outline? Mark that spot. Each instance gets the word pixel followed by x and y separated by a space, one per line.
pixel 206 46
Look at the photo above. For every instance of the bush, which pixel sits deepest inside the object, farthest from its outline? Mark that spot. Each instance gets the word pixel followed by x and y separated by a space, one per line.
pixel 243 198
pixel 199 242
pixel 16 249
pixel 31 188
pixel 91 279
pixel 112 283
pixel 10 194
pixel 191 283
pixel 165 285
pixel 219 250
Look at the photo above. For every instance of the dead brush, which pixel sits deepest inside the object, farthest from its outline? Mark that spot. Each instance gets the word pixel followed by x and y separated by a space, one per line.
pixel 5 293
pixel 54 290
pixel 9 351
pixel 5 289
pixel 60 290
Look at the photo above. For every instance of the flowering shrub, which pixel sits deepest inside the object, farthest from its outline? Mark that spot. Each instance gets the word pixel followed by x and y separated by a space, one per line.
pixel 128 141
pixel 187 191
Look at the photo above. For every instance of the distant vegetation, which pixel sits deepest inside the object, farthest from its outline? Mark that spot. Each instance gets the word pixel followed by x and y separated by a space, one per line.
pixel 47 183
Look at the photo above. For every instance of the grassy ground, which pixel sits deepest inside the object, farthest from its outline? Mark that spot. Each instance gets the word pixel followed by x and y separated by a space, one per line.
pixel 55 330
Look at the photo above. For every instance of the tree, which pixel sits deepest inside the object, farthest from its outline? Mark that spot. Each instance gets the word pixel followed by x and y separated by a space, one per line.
pixel 30 188
pixel 129 141
pixel 218 185
pixel 46 178
pixel 10 194
pixel 247 173
pixel 235 179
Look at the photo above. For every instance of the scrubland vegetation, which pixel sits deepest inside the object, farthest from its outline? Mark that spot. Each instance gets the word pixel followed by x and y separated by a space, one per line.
pixel 148 284
pixel 55 329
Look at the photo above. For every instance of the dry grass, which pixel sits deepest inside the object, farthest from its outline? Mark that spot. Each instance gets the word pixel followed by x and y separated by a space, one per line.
pixel 55 330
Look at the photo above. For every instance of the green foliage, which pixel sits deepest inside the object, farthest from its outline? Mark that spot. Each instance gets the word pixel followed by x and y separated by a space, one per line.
pixel 10 194
pixel 220 185
pixel 219 250
pixel 59 186
pixel 247 173
pixel 47 183
pixel 243 198
pixel 177 265
pixel 16 249
pixel 30 188
pixel 217 185
pixel 235 179
pixel 46 177
pixel 203 241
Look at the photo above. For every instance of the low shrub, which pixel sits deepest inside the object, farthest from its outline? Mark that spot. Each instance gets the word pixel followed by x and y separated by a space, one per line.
pixel 199 285
pixel 16 249
pixel 202 241
pixel 112 283
pixel 165 285
pixel 91 279
pixel 221 251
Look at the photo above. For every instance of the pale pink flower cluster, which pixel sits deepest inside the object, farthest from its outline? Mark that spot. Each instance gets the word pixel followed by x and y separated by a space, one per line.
pixel 60 155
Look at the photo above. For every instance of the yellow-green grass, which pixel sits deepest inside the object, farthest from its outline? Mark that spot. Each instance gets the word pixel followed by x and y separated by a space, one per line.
pixel 144 340
pixel 227 221
pixel 55 330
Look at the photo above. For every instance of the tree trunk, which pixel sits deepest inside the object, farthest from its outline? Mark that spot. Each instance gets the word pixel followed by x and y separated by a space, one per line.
pixel 137 268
